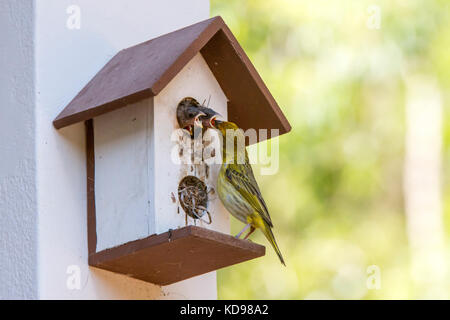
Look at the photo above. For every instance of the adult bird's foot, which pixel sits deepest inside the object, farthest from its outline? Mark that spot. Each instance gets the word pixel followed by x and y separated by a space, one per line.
pixel 242 231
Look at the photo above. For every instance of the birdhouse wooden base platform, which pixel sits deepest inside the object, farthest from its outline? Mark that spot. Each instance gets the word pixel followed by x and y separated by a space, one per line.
pixel 176 255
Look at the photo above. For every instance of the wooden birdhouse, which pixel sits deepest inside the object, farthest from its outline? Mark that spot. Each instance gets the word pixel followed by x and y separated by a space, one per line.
pixel 137 222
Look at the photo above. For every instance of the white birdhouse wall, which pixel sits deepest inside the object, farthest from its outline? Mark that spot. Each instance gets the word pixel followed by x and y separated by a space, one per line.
pixel 136 179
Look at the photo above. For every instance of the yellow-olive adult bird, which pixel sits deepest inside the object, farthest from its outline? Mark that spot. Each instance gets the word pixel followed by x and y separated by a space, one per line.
pixel 237 187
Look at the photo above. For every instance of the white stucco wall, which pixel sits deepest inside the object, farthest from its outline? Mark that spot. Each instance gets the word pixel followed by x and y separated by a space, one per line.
pixel 18 212
pixel 44 169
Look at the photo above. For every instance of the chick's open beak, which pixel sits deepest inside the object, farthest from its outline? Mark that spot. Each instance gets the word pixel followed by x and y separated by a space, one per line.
pixel 197 121
pixel 210 118
pixel 212 121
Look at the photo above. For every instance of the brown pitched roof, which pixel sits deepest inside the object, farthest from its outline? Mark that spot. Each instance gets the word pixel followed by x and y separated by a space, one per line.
pixel 144 70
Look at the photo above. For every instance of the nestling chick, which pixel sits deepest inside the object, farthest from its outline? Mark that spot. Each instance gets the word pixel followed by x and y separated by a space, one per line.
pixel 209 119
pixel 188 114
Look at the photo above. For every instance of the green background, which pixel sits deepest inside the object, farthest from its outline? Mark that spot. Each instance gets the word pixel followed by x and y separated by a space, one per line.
pixel 337 201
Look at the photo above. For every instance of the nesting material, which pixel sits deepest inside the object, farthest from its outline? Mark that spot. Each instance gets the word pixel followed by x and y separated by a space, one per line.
pixel 193 198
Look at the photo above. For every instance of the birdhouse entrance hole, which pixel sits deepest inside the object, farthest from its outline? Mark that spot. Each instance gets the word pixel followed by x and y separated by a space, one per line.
pixel 193 197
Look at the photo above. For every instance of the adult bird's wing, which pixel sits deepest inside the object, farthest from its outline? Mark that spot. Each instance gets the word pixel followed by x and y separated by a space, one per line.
pixel 242 178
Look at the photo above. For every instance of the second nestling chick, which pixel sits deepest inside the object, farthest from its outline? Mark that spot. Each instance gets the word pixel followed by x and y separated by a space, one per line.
pixel 209 119
pixel 188 115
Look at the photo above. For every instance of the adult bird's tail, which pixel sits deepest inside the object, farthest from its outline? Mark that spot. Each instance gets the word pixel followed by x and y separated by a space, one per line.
pixel 269 235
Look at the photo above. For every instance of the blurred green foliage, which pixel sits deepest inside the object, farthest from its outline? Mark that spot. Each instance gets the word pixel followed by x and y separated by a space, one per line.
pixel 337 200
